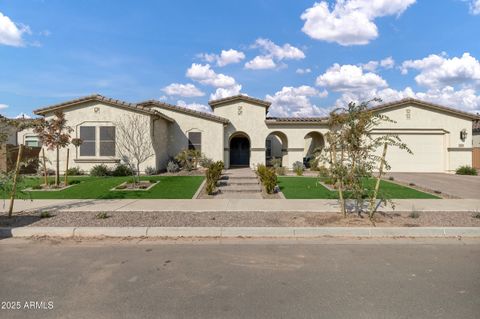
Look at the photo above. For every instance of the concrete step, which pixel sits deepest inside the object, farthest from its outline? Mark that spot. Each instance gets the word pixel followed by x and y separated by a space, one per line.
pixel 226 177
pixel 240 189
pixel 238 182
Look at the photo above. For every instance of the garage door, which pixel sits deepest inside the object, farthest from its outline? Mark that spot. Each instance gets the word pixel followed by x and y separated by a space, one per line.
pixel 428 154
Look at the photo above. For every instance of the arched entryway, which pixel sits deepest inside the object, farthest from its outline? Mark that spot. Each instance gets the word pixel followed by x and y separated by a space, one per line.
pixel 276 147
pixel 314 144
pixel 240 150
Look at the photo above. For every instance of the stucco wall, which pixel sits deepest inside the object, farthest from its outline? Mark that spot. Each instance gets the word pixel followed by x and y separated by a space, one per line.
pixel 101 114
pixel 445 152
pixel 212 133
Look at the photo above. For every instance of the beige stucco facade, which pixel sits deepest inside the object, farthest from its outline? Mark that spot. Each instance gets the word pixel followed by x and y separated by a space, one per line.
pixel 239 132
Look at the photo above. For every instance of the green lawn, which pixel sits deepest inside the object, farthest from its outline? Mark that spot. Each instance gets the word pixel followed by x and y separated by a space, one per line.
pixel 309 188
pixel 99 188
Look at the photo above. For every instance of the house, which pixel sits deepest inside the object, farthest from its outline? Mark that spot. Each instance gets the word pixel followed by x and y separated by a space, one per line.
pixel 240 132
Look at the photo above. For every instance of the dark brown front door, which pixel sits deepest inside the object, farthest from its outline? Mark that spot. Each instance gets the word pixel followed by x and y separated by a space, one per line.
pixel 239 151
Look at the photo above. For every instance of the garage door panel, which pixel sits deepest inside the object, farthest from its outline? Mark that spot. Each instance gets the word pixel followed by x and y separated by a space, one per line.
pixel 428 154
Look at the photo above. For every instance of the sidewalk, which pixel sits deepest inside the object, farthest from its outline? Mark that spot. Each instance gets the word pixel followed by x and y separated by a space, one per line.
pixel 238 205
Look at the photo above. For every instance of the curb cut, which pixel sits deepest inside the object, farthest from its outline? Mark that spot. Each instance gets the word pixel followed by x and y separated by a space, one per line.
pixel 236 232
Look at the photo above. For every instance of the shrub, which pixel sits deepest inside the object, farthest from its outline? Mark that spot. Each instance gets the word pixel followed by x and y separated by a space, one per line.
pixel 74 182
pixel 281 171
pixel 188 159
pixel 276 162
pixel 466 170
pixel 323 171
pixel 172 167
pixel 150 171
pixel 268 177
pixel 213 174
pixel 298 168
pixel 75 171
pixel 314 164
pixel 122 170
pixel 36 187
pixel 100 170
pixel 414 215
pixel 476 215
pixel 45 214
pixel 391 178
pixel 102 215
pixel 205 162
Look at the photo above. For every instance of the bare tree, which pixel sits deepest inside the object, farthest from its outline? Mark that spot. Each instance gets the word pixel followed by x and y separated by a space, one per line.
pixel 133 141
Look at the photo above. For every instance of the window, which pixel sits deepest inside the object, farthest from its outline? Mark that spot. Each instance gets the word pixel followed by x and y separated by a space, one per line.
pixel 195 141
pixel 32 141
pixel 107 141
pixel 88 136
pixel 268 148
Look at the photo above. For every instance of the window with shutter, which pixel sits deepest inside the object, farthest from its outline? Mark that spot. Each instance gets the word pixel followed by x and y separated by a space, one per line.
pixel 195 141
pixel 88 136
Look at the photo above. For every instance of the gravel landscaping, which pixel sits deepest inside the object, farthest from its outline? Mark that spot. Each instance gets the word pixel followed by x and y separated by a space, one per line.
pixel 239 219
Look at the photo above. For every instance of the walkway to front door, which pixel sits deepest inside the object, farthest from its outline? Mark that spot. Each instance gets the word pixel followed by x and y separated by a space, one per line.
pixel 239 183
pixel 239 151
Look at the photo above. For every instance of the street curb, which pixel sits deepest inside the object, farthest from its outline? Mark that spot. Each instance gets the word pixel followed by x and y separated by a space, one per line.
pixel 243 232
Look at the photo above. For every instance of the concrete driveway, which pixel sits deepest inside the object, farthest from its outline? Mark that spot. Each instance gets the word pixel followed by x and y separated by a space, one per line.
pixel 460 186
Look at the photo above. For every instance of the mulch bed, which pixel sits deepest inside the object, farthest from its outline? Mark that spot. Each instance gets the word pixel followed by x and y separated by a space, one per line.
pixel 239 219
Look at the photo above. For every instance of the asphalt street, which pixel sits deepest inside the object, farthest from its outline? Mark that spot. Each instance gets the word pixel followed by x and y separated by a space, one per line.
pixel 327 278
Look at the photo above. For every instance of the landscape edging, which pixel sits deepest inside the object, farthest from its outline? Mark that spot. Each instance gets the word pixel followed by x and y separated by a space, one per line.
pixel 236 232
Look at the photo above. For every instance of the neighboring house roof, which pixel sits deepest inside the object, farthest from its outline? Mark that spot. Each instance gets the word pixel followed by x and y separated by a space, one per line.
pixel 424 104
pixel 175 108
pixel 476 126
pixel 103 99
pixel 240 97
pixel 296 120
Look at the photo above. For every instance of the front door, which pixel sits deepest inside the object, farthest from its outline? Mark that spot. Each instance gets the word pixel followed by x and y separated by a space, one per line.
pixel 239 151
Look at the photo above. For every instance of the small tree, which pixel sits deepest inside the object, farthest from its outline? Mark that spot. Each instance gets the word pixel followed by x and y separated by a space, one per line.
pixel 353 152
pixel 133 141
pixel 55 135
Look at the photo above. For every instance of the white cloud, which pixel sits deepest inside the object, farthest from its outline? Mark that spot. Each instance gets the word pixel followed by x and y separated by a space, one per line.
pixel 205 75
pixel 11 33
pixel 221 93
pixel 295 101
pixel 350 22
pixel 271 54
pixel 287 51
pixel 303 71
pixel 463 99
pixel 344 78
pixel 226 57
pixel 184 90
pixel 372 66
pixel 474 6
pixel 3 106
pixel 194 106
pixel 437 71
pixel 260 62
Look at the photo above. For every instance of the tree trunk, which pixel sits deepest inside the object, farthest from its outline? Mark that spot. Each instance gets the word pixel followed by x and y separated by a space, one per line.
pixel 340 184
pixel 45 172
pixel 377 185
pixel 138 172
pixel 340 187
pixel 57 173
pixel 66 168
pixel 15 177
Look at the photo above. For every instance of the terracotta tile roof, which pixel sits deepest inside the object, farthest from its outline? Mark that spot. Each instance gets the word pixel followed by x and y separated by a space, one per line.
pixel 425 104
pixel 296 120
pixel 176 108
pixel 104 99
pixel 239 97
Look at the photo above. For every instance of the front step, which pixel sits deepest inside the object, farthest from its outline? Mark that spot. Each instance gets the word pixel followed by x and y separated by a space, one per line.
pixel 237 182
pixel 240 189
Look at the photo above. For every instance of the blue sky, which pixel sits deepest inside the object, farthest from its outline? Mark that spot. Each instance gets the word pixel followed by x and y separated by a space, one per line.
pixel 303 56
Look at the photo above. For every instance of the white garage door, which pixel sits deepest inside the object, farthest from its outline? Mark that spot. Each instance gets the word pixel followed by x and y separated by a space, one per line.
pixel 428 154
